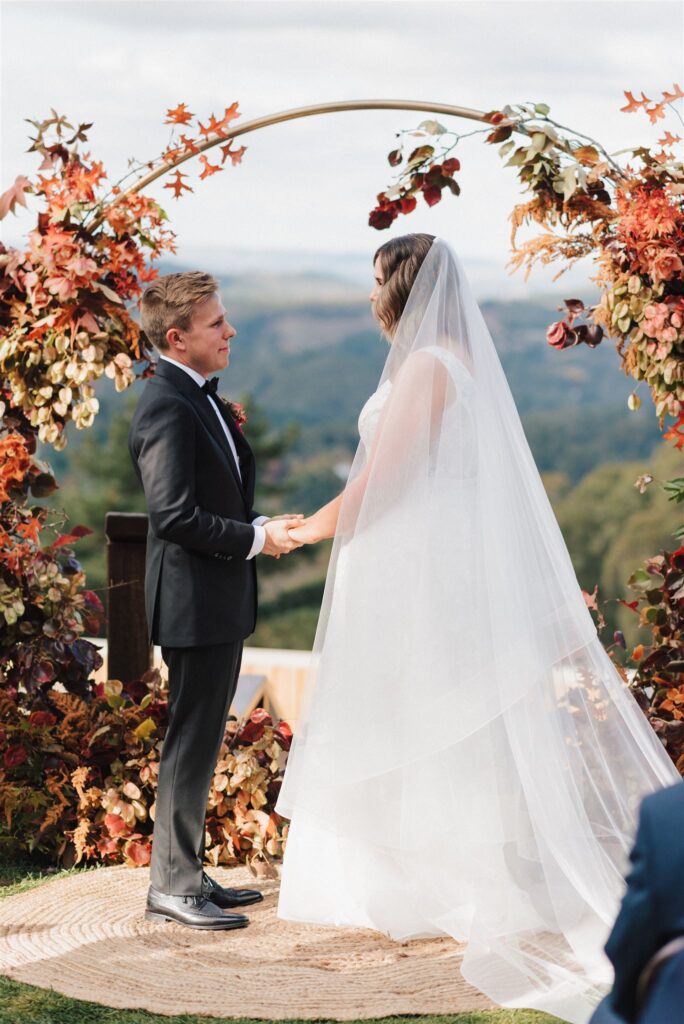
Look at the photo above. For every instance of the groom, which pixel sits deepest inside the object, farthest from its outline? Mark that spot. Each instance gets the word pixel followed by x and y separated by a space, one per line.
pixel 198 473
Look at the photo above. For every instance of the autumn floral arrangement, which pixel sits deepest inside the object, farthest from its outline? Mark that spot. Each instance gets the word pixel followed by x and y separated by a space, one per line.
pixel 654 672
pixel 78 778
pixel 629 218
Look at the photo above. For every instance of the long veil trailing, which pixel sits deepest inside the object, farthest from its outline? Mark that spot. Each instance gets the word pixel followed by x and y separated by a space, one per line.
pixel 468 761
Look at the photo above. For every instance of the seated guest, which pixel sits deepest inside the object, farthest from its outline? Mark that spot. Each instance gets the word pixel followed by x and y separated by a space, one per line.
pixel 651 918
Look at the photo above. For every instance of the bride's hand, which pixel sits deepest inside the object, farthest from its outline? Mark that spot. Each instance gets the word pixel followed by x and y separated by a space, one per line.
pixel 304 532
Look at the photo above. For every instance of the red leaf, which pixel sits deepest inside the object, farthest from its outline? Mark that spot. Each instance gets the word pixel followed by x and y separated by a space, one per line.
pixel 69 538
pixel 179 115
pixel 93 600
pixel 139 853
pixel 15 756
pixel 14 195
pixel 42 719
pixel 432 195
pixel 253 730
pixel 115 824
pixel 451 165
pixel 107 846
pixel 41 673
pixel 381 217
pixel 283 735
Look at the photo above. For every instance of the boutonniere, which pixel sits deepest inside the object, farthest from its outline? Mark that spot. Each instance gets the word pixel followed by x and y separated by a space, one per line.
pixel 237 411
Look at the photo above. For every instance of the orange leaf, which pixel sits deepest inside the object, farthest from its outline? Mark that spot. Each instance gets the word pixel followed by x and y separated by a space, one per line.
pixel 188 144
pixel 178 185
pixel 633 104
pixel 229 114
pixel 170 154
pixel 179 115
pixel 669 97
pixel 587 155
pixel 669 140
pixel 638 652
pixel 30 529
pixel 216 127
pixel 234 154
pixel 657 111
pixel 209 169
pixel 676 434
pixel 68 538
pixel 14 195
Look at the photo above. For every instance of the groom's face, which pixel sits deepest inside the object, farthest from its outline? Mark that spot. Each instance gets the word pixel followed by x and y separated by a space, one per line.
pixel 205 346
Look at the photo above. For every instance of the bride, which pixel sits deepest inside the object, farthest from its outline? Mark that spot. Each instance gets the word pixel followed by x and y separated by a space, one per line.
pixel 468 761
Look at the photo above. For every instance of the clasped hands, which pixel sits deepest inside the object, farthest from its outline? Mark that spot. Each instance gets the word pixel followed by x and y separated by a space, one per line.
pixel 285 533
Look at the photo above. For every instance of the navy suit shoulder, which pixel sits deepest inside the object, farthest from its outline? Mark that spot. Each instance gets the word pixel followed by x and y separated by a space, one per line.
pixel 665 803
pixel 652 909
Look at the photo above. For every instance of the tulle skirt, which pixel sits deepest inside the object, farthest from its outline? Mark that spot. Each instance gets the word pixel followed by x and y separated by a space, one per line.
pixel 433 791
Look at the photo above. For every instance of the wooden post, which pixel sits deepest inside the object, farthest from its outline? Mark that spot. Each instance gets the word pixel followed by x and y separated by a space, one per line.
pixel 129 654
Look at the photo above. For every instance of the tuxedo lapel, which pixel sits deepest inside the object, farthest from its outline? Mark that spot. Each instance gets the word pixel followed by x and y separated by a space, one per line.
pixel 245 454
pixel 180 379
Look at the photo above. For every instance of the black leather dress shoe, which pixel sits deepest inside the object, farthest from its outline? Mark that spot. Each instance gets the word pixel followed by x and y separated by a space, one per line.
pixel 193 911
pixel 225 898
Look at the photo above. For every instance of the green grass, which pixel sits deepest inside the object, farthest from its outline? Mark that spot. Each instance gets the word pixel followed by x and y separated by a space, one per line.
pixel 26 1004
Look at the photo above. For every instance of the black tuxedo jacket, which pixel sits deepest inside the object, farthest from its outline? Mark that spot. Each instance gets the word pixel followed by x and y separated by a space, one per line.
pixel 652 910
pixel 199 587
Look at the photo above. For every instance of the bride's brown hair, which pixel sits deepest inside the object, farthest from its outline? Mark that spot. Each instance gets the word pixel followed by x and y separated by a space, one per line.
pixel 400 260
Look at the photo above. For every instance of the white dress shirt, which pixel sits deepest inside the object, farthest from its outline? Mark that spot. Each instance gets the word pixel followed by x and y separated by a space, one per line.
pixel 259 532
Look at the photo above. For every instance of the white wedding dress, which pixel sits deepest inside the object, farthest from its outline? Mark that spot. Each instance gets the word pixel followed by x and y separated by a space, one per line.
pixel 468 761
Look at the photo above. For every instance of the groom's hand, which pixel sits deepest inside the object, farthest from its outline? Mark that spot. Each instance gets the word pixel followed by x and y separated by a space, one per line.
pixel 278 541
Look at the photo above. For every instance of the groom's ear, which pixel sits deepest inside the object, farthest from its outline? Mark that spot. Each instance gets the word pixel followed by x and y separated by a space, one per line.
pixel 174 340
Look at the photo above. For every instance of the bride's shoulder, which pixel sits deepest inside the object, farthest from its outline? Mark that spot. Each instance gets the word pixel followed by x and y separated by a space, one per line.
pixel 426 357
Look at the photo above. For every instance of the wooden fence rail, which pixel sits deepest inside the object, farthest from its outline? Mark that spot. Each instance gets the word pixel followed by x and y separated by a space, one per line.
pixel 129 654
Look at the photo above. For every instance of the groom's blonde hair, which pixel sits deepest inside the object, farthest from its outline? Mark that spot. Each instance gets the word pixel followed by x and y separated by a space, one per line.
pixel 170 301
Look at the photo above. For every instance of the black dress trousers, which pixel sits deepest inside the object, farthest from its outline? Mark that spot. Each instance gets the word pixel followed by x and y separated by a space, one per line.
pixel 202 683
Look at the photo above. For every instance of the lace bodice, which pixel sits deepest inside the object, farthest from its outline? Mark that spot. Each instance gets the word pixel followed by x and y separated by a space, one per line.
pixel 369 416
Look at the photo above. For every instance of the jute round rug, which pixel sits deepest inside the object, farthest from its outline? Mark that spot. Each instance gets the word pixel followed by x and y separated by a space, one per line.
pixel 85 936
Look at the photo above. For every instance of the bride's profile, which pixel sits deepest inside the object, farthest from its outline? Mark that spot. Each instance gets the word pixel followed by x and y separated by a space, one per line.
pixel 468 760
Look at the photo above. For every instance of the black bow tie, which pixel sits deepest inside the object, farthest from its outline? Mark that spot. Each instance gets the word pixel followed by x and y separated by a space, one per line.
pixel 210 386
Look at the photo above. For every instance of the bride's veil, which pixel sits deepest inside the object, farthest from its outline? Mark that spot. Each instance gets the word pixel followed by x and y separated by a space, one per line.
pixel 465 740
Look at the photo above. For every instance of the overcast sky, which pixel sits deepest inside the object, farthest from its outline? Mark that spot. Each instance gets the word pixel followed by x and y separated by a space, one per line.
pixel 309 185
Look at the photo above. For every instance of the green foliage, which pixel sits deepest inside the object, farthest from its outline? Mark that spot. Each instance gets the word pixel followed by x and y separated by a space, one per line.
pixel 610 528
